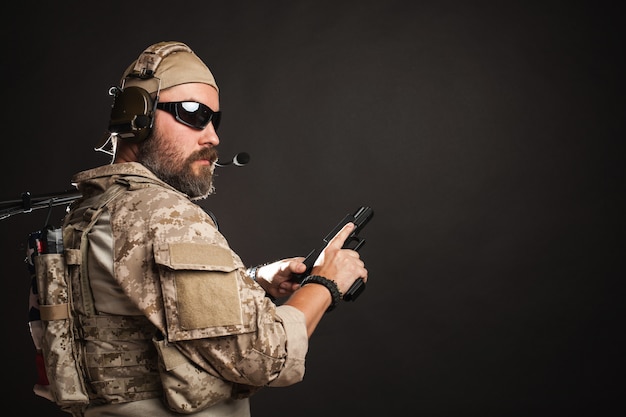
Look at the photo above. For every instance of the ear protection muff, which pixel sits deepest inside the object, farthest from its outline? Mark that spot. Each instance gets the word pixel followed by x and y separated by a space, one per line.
pixel 132 112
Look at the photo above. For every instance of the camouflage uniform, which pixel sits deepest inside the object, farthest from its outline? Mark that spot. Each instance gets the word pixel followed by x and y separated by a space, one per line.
pixel 157 262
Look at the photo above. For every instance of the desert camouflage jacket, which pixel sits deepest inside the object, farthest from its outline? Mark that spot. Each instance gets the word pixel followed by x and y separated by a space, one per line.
pixel 156 254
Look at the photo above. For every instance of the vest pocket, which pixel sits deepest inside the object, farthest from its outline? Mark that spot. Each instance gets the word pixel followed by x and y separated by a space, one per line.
pixel 60 354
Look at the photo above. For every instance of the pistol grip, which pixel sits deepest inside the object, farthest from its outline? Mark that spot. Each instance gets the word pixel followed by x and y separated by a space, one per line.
pixel 355 290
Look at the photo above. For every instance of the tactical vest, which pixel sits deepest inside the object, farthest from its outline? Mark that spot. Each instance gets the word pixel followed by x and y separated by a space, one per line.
pixel 90 357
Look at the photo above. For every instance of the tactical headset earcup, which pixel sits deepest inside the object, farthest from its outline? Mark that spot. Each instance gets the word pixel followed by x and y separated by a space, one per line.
pixel 132 114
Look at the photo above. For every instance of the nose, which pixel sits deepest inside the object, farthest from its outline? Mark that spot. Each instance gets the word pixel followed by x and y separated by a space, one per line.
pixel 209 136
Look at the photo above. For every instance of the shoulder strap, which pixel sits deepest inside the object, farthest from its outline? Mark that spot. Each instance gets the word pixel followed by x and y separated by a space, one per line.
pixel 78 256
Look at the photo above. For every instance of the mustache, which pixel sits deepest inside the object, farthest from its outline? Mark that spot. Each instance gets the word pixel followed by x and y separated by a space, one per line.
pixel 209 154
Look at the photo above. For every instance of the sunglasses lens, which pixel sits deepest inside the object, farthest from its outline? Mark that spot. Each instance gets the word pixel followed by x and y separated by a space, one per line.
pixel 216 120
pixel 197 114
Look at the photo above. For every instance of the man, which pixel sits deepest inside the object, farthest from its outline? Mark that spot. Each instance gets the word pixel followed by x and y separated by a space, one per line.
pixel 169 319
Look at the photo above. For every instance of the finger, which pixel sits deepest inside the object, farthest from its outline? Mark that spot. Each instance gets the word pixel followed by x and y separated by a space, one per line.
pixel 297 267
pixel 288 286
pixel 340 238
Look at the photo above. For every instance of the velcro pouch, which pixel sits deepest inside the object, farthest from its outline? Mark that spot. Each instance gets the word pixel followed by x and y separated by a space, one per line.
pixel 200 287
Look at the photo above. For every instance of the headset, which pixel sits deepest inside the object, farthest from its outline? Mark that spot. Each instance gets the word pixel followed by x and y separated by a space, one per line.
pixel 132 112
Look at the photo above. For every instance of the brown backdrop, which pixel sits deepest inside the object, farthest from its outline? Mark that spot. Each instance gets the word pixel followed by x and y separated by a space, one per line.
pixel 486 137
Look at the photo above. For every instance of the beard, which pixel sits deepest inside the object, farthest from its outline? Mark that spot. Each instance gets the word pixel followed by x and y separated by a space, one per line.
pixel 166 162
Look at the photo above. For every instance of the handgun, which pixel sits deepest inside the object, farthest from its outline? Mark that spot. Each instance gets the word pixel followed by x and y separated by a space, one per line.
pixel 360 218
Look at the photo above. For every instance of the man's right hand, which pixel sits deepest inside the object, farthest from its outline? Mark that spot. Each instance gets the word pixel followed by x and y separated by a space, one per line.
pixel 344 266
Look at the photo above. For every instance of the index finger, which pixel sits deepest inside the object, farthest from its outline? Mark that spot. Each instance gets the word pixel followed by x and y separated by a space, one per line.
pixel 340 238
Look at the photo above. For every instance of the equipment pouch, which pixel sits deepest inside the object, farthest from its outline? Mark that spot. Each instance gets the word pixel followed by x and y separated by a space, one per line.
pixel 186 387
pixel 199 283
pixel 60 353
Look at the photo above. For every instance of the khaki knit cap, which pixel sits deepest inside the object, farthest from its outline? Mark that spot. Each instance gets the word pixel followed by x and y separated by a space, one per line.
pixel 172 63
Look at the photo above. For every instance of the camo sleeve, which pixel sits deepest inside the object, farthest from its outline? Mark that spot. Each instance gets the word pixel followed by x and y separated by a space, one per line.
pixel 180 271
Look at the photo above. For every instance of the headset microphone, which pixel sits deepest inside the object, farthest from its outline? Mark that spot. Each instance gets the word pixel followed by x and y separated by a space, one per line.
pixel 241 159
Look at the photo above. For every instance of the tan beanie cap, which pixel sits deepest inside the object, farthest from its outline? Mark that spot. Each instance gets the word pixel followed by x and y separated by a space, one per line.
pixel 172 63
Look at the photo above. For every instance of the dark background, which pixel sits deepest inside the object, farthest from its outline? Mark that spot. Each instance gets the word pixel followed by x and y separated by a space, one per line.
pixel 487 137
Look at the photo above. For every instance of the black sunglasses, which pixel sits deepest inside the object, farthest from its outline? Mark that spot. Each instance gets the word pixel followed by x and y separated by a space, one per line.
pixel 192 113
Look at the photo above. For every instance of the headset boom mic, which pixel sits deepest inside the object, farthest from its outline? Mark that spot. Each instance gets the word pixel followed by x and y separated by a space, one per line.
pixel 241 159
